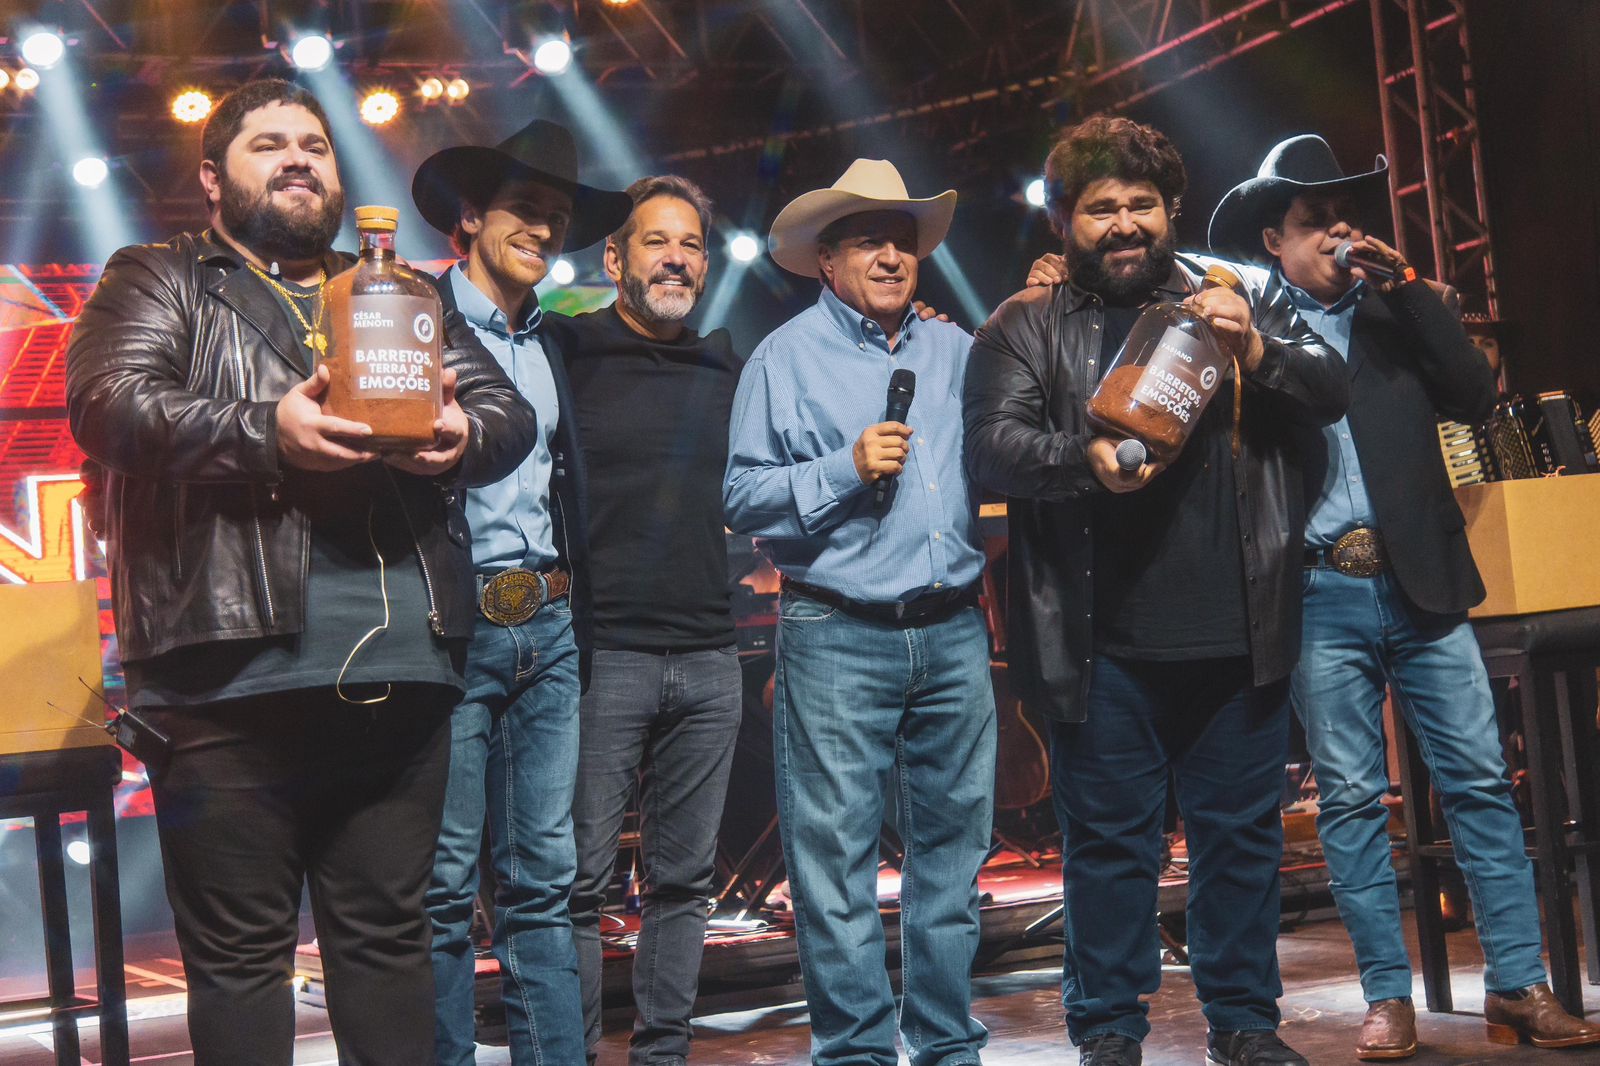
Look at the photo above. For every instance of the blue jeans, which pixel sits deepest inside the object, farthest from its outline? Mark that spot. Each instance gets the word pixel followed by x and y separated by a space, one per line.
pixel 1224 741
pixel 1361 633
pixel 668 723
pixel 857 706
pixel 514 757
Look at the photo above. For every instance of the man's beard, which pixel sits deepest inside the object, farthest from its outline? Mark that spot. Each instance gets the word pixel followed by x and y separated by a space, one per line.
pixel 671 308
pixel 273 232
pixel 1087 267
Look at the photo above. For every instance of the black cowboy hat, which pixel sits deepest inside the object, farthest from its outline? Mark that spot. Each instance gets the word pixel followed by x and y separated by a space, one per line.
pixel 1298 165
pixel 540 151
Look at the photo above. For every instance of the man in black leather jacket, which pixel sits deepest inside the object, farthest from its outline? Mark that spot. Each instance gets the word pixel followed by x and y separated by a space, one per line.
pixel 292 607
pixel 1154 613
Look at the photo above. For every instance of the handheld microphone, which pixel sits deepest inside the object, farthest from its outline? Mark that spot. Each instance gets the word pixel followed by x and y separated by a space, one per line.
pixel 1130 455
pixel 902 388
pixel 1346 256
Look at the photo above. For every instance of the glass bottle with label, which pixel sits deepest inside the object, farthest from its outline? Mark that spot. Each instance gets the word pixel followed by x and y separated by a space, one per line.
pixel 386 354
pixel 1165 374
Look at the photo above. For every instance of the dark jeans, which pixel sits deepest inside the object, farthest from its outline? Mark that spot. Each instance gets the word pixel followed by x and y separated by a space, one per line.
pixel 1225 742
pixel 265 794
pixel 513 760
pixel 667 721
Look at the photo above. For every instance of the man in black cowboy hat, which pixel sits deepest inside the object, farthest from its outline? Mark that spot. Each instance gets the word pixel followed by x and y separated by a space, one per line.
pixel 1388 580
pixel 509 211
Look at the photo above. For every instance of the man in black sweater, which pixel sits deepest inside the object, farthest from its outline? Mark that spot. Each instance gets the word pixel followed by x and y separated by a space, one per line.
pixel 653 399
pixel 1388 580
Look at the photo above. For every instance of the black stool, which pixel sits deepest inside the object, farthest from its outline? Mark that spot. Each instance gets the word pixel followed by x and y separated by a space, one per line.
pixel 43 786
pixel 1553 657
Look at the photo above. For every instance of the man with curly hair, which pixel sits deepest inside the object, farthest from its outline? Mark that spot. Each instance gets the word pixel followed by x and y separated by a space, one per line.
pixel 1155 612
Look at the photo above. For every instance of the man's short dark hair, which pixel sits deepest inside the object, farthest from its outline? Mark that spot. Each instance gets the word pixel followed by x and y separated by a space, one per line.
pixel 1104 147
pixel 225 122
pixel 664 185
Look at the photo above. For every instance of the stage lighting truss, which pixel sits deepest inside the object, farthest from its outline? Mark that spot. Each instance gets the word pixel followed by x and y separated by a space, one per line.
pixel 191 106
pixel 379 107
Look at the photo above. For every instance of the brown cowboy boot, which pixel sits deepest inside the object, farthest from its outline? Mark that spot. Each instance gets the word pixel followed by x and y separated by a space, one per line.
pixel 1538 1017
pixel 1389 1031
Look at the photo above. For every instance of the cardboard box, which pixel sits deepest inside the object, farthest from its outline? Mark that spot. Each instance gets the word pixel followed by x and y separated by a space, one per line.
pixel 49 639
pixel 1534 541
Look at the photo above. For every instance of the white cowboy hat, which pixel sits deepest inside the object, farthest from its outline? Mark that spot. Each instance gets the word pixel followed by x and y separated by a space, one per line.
pixel 869 185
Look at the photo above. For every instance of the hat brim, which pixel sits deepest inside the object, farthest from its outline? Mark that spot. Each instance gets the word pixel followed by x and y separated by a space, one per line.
pixel 793 240
pixel 1253 205
pixel 474 172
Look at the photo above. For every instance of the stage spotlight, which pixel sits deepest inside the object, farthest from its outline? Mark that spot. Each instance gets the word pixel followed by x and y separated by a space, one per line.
pixel 619 3
pixel 1034 194
pixel 430 89
pixel 43 49
pixel 379 107
pixel 553 56
pixel 312 52
pixel 27 80
pixel 5 78
pixel 78 851
pixel 562 272
pixel 744 248
pixel 191 106
pixel 91 172
pixel 457 90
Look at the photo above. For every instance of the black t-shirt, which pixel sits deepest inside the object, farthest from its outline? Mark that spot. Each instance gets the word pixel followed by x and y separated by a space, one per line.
pixel 653 425
pixel 355 519
pixel 1168 569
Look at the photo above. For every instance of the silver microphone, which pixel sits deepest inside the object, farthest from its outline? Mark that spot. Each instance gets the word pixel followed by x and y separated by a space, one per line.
pixel 1346 256
pixel 1131 455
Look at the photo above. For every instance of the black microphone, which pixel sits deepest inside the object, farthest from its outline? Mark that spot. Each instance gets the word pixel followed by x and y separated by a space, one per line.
pixel 902 388
pixel 1346 256
pixel 1131 455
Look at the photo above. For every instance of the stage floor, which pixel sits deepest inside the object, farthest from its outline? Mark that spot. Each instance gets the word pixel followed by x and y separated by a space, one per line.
pixel 1322 1008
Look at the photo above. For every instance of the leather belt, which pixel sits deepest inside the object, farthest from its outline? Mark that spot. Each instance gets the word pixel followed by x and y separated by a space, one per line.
pixel 1359 553
pixel 926 609
pixel 513 596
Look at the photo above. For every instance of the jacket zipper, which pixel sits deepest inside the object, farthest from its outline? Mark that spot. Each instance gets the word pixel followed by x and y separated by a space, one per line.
pixel 435 623
pixel 255 512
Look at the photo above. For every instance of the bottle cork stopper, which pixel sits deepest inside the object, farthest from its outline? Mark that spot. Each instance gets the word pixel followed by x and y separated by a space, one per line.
pixel 381 219
pixel 1221 275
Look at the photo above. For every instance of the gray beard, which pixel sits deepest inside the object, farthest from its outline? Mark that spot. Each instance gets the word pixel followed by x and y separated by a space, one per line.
pixel 636 293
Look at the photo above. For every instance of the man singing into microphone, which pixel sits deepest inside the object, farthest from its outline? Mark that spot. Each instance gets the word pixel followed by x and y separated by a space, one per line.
pixel 883 659
pixel 1388 580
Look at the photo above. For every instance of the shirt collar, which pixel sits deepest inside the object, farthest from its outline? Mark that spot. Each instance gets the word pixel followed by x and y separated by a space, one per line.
pixel 481 312
pixel 858 328
pixel 1304 301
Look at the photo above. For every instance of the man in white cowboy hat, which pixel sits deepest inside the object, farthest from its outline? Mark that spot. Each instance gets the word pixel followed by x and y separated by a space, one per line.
pixel 1389 577
pixel 883 658
pixel 510 210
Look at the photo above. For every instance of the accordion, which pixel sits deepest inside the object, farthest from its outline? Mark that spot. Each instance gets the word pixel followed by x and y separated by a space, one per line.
pixel 1522 439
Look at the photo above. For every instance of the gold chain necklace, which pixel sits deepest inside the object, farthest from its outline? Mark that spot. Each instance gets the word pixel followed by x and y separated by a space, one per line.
pixel 315 339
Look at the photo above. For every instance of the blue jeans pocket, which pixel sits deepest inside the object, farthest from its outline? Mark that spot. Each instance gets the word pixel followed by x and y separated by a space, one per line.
pixel 792 608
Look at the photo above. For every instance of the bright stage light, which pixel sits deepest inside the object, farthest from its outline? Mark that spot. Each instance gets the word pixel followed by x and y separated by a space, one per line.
pixel 43 49
pixel 27 80
pixel 553 56
pixel 457 90
pixel 430 89
pixel 1034 194
pixel 191 106
pixel 5 78
pixel 312 52
pixel 562 272
pixel 379 107
pixel 78 851
pixel 91 172
pixel 744 248
pixel 619 3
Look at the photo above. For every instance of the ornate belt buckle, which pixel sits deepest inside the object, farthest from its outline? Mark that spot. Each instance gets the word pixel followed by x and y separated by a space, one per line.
pixel 1359 553
pixel 511 597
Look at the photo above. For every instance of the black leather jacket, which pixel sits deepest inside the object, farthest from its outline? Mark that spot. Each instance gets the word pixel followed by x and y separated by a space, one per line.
pixel 1033 366
pixel 173 376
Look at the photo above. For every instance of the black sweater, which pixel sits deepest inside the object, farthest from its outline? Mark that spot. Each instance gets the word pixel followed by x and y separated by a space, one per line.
pixel 653 425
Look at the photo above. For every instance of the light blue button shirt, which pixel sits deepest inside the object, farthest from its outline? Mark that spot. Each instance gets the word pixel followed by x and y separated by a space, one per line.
pixel 805 396
pixel 511 519
pixel 1342 503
